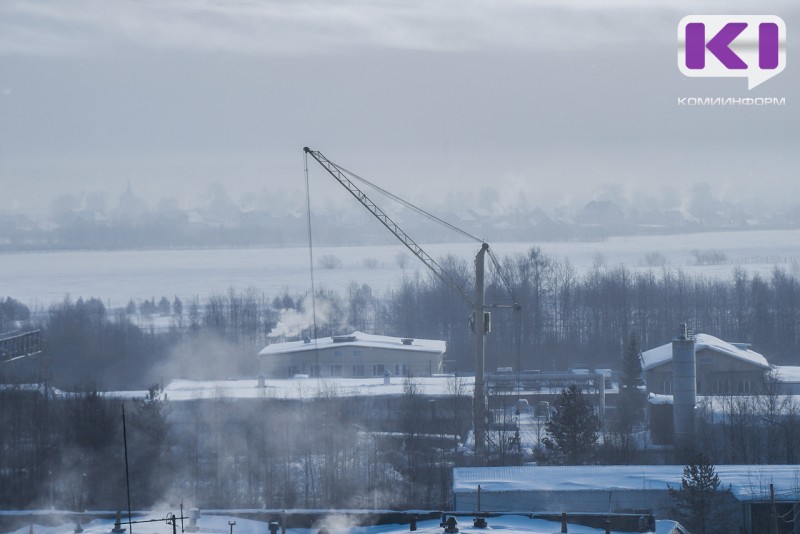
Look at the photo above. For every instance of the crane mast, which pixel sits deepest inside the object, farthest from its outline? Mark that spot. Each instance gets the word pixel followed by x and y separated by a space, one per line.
pixel 480 319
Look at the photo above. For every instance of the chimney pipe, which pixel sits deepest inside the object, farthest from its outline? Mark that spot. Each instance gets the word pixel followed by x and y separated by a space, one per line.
pixel 684 386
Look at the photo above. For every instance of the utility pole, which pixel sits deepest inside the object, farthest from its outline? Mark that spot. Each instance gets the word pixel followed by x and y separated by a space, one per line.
pixel 773 524
pixel 480 324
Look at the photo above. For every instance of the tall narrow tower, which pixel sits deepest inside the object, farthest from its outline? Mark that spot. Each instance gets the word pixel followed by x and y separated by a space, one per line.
pixel 684 386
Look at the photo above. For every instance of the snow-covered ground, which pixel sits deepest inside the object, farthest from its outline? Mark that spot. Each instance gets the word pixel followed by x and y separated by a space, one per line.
pixel 117 276
pixel 219 524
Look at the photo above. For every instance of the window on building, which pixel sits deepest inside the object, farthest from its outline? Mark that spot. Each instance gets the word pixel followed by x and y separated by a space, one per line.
pixel 357 353
pixel 666 387
pixel 337 353
pixel 316 370
pixel 400 369
pixel 744 386
pixel 358 370
pixel 293 370
pixel 336 370
pixel 378 369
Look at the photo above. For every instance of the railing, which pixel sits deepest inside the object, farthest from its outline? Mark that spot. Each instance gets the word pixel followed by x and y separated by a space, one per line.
pixel 17 345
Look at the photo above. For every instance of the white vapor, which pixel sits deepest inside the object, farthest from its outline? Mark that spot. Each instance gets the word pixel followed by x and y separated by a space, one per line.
pixel 292 322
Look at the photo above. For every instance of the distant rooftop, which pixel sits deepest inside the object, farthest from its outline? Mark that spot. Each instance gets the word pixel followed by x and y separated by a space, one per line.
pixel 303 388
pixel 357 339
pixel 659 355
pixel 747 482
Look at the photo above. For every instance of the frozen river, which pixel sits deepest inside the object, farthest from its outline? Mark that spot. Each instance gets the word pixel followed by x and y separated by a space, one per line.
pixel 117 276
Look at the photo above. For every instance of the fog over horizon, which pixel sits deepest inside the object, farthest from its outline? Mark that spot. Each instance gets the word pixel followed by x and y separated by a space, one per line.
pixel 551 105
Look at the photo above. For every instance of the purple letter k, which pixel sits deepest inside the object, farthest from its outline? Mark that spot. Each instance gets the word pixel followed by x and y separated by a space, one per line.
pixel 718 45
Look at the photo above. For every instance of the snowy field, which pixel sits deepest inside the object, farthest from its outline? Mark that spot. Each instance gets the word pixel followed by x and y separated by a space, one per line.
pixel 219 525
pixel 117 276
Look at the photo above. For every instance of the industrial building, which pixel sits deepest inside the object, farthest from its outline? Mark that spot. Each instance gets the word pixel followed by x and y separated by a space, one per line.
pixel 745 490
pixel 353 356
pixel 721 368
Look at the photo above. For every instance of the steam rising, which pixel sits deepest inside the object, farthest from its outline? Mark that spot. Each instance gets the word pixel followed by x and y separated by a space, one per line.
pixel 292 322
pixel 207 356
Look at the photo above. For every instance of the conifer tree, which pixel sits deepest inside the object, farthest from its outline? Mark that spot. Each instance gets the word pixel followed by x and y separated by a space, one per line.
pixel 697 498
pixel 572 430
pixel 631 399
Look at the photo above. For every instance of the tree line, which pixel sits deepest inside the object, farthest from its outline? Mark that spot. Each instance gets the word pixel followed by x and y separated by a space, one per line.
pixel 565 318
pixel 325 450
pixel 568 318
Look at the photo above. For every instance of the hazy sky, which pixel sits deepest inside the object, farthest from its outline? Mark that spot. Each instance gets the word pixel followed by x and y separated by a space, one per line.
pixel 551 99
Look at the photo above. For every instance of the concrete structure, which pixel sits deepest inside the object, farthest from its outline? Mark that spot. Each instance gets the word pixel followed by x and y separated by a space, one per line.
pixel 684 383
pixel 639 488
pixel 354 355
pixel 722 368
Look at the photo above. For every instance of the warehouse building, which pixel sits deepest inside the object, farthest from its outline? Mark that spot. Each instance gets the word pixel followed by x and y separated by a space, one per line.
pixel 745 490
pixel 354 355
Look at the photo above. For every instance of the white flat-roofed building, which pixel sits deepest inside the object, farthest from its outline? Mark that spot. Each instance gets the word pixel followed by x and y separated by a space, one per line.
pixel 744 491
pixel 353 356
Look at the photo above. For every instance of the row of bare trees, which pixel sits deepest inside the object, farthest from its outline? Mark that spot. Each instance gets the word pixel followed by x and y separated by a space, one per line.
pixel 321 449
pixel 65 451
pixel 567 317
pixel 753 429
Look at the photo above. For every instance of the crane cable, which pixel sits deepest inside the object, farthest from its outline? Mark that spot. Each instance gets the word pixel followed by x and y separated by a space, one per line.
pixel 407 204
pixel 311 257
pixel 432 217
pixel 506 282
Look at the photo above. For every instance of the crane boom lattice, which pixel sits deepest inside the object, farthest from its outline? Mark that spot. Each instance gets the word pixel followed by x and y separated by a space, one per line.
pixel 335 171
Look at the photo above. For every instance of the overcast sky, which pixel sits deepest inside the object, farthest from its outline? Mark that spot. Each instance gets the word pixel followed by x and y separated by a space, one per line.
pixel 555 100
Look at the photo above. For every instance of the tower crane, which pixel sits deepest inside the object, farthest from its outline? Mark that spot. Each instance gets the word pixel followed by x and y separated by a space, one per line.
pixel 481 318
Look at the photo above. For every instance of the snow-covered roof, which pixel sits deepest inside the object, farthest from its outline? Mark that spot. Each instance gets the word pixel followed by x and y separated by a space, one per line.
pixel 303 388
pixel 786 373
pixel 747 482
pixel 357 339
pixel 33 388
pixel 335 521
pixel 663 354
